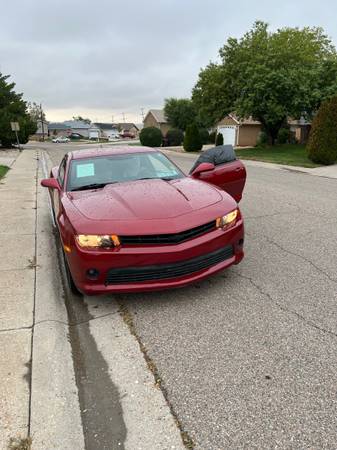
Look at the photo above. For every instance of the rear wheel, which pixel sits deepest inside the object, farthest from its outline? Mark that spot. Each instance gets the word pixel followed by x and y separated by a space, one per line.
pixel 70 280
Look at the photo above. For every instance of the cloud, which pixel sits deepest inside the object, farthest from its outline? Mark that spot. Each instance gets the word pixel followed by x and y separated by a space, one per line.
pixel 108 57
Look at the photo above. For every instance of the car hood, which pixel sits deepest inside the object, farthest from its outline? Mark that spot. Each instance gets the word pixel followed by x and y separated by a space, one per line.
pixel 145 199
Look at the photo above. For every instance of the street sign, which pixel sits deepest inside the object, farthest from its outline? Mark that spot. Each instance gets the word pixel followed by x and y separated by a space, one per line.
pixel 15 126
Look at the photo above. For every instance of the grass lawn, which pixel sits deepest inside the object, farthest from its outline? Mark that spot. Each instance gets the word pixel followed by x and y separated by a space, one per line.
pixel 289 154
pixel 3 171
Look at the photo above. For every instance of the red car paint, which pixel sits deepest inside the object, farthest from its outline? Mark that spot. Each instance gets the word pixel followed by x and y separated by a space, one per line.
pixel 147 208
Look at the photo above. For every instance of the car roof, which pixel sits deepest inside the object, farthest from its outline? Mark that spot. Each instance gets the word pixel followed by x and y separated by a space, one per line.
pixel 109 151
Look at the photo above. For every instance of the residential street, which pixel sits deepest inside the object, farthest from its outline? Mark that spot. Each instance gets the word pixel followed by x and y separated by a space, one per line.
pixel 247 358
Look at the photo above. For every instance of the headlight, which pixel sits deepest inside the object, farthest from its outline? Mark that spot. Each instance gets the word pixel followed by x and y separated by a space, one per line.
pixel 93 241
pixel 227 220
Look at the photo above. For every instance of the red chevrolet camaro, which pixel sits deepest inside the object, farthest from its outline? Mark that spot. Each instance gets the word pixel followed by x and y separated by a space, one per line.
pixel 129 219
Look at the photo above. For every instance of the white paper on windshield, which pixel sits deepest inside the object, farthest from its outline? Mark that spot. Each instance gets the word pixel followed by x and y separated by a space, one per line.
pixel 85 170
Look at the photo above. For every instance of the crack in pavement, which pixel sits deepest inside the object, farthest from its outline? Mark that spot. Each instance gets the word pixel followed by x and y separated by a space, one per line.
pixel 283 308
pixel 68 324
pixel 289 252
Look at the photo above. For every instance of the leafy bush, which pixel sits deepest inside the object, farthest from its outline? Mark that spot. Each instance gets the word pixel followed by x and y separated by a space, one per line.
pixel 192 139
pixel 151 137
pixel 204 135
pixel 219 139
pixel 174 137
pixel 283 136
pixel 322 145
pixel 262 139
pixel 211 138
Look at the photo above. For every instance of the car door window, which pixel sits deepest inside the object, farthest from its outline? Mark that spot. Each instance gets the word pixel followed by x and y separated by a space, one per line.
pixel 62 171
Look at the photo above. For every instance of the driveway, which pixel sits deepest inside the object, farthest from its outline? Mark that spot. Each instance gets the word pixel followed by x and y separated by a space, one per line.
pixel 247 359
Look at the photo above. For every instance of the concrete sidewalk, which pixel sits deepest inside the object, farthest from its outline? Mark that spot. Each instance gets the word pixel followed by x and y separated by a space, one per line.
pixel 17 280
pixel 38 394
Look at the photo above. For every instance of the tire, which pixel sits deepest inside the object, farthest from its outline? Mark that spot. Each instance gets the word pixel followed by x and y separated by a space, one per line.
pixel 70 280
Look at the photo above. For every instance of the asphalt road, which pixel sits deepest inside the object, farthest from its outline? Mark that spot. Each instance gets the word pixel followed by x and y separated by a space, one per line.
pixel 248 358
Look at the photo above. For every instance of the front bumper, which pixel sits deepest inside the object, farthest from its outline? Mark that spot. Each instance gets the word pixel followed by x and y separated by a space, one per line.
pixel 119 270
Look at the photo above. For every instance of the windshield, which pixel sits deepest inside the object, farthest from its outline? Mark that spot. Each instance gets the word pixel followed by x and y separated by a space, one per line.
pixel 91 173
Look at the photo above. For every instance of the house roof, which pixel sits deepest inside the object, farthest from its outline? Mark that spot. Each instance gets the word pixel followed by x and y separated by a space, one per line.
pixel 58 126
pixel 125 125
pixel 158 114
pixel 244 121
pixel 105 126
pixel 77 124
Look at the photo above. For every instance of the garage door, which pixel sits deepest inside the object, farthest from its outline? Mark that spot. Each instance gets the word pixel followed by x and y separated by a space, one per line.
pixel 229 134
pixel 93 134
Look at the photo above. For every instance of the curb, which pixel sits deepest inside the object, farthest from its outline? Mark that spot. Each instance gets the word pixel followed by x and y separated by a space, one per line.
pixel 38 396
pixel 323 172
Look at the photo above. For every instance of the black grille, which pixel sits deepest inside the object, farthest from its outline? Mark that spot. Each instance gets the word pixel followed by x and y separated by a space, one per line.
pixel 169 238
pixel 165 271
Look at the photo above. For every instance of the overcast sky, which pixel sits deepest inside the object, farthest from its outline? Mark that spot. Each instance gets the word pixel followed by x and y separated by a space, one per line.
pixel 105 57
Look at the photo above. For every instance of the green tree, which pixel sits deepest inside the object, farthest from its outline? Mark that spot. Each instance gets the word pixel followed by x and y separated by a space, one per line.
pixel 219 139
pixel 204 135
pixel 322 145
pixel 174 137
pixel 82 119
pixel 13 109
pixel 36 112
pixel 179 112
pixel 151 137
pixel 192 139
pixel 270 76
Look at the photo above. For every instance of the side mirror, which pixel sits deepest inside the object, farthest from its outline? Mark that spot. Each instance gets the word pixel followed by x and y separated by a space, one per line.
pixel 203 167
pixel 51 183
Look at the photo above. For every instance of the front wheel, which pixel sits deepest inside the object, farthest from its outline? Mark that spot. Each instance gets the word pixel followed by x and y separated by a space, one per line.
pixel 70 280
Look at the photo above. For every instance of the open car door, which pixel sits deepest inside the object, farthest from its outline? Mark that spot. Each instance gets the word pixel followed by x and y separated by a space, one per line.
pixel 223 170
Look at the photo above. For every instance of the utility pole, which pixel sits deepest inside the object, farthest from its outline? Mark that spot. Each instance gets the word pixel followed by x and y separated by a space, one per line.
pixel 42 121
pixel 112 119
pixel 142 113
pixel 123 117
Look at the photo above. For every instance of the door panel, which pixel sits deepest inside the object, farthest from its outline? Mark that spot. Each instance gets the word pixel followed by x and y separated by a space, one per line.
pixel 231 177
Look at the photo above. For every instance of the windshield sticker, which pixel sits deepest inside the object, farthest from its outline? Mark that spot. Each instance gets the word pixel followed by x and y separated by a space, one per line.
pixel 85 170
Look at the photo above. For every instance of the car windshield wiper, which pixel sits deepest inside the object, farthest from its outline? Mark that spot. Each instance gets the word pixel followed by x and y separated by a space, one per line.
pixel 92 186
pixel 156 178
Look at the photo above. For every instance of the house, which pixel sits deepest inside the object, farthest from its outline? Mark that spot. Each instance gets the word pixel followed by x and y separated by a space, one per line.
pixel 245 132
pixel 94 132
pixel 239 132
pixel 106 130
pixel 126 127
pixel 78 127
pixel 58 129
pixel 156 118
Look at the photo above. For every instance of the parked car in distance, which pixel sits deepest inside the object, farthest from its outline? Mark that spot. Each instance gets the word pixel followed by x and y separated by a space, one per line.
pixel 130 220
pixel 114 137
pixel 75 136
pixel 127 134
pixel 60 140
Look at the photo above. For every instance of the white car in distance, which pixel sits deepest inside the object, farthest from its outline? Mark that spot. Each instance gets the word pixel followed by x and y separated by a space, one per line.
pixel 60 140
pixel 114 137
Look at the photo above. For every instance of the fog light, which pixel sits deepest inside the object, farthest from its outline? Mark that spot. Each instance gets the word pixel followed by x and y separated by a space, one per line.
pixel 92 274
